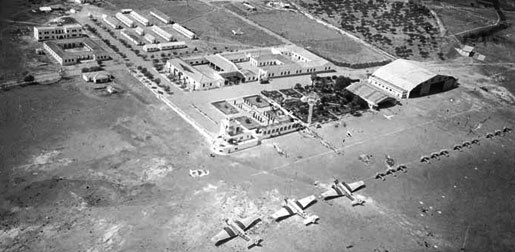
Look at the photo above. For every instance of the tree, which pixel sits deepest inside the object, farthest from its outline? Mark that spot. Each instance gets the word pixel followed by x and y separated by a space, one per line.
pixel 313 78
pixel 298 86
pixel 342 82
pixel 28 78
pixel 157 81
pixel 140 67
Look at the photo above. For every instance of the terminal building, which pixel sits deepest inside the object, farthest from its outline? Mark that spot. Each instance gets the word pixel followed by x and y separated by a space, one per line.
pixel 58 32
pixel 161 16
pixel 73 51
pixel 404 79
pixel 125 20
pixel 252 65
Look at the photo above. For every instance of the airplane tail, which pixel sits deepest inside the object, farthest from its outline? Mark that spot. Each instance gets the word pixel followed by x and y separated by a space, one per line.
pixel 254 242
pixel 311 219
pixel 357 201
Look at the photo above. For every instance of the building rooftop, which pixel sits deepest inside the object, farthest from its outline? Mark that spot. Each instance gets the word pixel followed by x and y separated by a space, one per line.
pixel 204 75
pixel 404 74
pixel 225 64
pixel 368 92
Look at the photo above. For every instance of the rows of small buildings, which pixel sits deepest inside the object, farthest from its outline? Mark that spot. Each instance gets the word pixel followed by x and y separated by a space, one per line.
pixel 213 71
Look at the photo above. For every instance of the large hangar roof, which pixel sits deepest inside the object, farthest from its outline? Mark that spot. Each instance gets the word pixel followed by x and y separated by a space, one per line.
pixel 404 74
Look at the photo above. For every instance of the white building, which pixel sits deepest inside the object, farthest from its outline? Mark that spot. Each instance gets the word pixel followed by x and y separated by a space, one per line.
pixel 139 18
pixel 172 45
pixel 151 39
pixel 58 32
pixel 194 78
pixel 125 20
pixel 151 47
pixel 111 21
pixel 139 31
pixel 161 16
pixel 131 37
pixel 404 79
pixel 162 33
pixel 184 31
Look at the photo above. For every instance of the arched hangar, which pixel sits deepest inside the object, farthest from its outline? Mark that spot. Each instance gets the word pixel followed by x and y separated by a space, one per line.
pixel 404 79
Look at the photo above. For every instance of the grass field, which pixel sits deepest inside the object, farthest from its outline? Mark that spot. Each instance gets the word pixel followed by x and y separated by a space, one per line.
pixel 209 29
pixel 315 37
pixel 456 20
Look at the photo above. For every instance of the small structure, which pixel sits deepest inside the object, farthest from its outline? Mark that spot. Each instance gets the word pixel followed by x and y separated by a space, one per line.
pixel 405 79
pixel 45 9
pixel 97 77
pixel 139 31
pixel 139 18
pixel 233 137
pixel 126 11
pixel 184 31
pixel 249 6
pixel 162 33
pixel 109 20
pixel 151 47
pixel 131 37
pixel 172 45
pixel 161 16
pixel 151 39
pixel 125 20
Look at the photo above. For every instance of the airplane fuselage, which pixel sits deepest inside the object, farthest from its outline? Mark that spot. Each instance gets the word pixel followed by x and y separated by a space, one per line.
pixel 238 230
pixel 343 189
pixel 297 209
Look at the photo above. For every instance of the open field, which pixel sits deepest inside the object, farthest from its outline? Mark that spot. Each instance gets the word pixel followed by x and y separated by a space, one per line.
pixel 458 20
pixel 315 37
pixel 210 30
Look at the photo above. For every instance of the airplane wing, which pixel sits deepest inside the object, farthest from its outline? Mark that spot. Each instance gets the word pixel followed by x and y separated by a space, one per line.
pixel 330 193
pixel 283 212
pixel 247 222
pixel 225 234
pixel 306 201
pixel 356 185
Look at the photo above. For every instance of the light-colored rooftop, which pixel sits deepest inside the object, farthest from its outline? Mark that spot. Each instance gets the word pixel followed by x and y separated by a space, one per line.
pixel 197 73
pixel 404 74
pixel 368 92
pixel 225 64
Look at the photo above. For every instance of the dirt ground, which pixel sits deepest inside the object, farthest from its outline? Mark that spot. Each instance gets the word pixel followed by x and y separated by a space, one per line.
pixel 81 171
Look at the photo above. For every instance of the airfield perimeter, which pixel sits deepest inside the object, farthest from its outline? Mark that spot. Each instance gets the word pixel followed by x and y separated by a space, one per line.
pixel 82 172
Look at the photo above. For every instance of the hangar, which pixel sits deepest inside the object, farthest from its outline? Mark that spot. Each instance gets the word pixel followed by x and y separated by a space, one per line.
pixel 404 79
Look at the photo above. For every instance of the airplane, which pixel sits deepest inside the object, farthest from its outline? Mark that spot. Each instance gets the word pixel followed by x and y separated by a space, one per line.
pixel 237 32
pixel 343 189
pixel 292 206
pixel 237 228
pixel 279 150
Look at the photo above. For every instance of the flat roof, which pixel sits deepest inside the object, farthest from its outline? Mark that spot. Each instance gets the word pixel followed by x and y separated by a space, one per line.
pixel 160 14
pixel 404 74
pixel 369 93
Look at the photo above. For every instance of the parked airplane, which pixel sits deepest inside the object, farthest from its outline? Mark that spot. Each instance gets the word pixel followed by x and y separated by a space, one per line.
pixel 279 150
pixel 343 189
pixel 292 206
pixel 237 32
pixel 237 228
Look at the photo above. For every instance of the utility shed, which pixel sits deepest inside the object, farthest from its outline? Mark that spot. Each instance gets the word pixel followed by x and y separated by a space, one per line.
pixel 405 79
pixel 375 97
